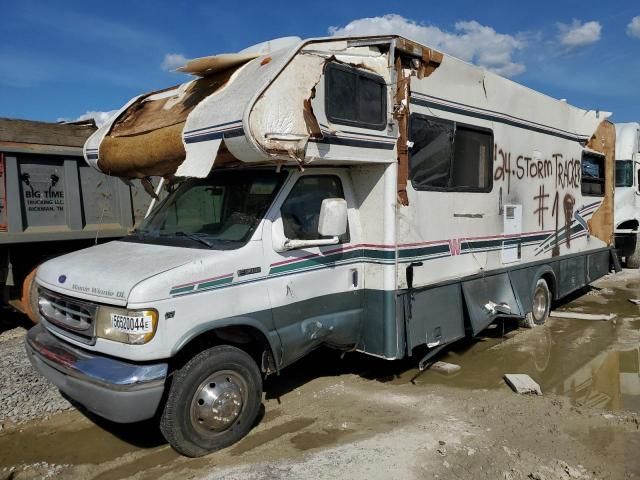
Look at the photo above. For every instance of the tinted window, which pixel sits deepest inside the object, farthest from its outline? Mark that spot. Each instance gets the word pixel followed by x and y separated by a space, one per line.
pixel 355 97
pixel 430 156
pixel 593 180
pixel 449 156
pixel 624 173
pixel 301 210
pixel 471 167
pixel 226 207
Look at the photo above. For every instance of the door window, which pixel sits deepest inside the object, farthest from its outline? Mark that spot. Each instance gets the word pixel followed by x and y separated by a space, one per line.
pixel 301 210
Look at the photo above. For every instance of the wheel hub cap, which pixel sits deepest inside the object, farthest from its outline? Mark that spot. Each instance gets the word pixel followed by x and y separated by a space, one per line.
pixel 217 402
pixel 539 304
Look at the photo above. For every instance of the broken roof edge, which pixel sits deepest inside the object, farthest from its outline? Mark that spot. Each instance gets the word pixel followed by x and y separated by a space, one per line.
pixel 251 139
pixel 627 140
pixel 602 115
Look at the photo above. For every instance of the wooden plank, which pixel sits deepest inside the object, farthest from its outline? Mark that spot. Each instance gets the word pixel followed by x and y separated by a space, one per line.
pixel 43 133
pixel 445 368
pixel 521 383
pixel 13 147
pixel 583 316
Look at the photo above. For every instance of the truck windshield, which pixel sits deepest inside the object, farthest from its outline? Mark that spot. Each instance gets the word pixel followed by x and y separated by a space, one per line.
pixel 223 209
pixel 624 173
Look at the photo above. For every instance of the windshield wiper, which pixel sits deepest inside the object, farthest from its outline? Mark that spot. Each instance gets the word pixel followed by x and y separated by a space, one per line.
pixel 194 237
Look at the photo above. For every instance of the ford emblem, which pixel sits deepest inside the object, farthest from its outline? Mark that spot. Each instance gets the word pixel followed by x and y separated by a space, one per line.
pixel 62 278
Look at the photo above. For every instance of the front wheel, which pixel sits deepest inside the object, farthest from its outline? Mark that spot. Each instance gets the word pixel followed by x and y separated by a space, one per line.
pixel 540 307
pixel 633 260
pixel 213 401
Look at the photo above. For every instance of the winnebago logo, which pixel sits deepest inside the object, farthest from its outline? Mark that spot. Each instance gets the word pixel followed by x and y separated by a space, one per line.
pixel 101 292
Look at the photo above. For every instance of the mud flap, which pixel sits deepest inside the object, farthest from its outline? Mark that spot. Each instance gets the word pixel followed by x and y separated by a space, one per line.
pixel 487 298
pixel 615 261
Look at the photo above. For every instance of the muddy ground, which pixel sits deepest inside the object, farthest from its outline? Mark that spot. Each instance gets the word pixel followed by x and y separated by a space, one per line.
pixel 359 417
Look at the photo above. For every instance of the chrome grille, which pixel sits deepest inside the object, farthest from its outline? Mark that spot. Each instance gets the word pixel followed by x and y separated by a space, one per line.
pixel 75 317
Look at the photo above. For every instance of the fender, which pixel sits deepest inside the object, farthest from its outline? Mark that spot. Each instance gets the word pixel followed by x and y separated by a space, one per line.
pixel 257 322
pixel 524 280
pixel 548 271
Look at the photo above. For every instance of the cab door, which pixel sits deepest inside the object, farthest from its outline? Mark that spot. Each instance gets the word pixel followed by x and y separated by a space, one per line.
pixel 316 293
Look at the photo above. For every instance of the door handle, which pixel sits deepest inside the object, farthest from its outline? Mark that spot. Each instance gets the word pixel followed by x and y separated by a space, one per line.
pixel 354 278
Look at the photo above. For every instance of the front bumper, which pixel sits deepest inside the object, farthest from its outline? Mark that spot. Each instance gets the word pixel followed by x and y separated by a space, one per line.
pixel 116 390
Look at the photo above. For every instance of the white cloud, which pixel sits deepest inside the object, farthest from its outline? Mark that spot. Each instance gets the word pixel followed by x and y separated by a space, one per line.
pixel 578 34
pixel 172 61
pixel 633 29
pixel 97 116
pixel 470 41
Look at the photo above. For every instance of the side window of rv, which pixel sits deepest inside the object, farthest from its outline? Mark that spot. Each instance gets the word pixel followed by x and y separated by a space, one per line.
pixel 592 174
pixel 355 97
pixel 448 156
pixel 301 210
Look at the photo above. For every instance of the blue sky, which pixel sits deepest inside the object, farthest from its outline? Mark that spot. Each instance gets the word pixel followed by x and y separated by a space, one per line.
pixel 60 59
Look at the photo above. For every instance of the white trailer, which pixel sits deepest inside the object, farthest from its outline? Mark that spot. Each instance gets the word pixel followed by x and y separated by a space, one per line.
pixel 369 194
pixel 627 204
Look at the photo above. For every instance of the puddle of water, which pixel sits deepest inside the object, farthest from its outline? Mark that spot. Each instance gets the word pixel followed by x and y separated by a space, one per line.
pixel 329 436
pixel 271 415
pixel 72 440
pixel 257 439
pixel 72 448
pixel 163 456
pixel 595 363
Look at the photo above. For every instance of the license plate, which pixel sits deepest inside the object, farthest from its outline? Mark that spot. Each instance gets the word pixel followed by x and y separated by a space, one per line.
pixel 129 324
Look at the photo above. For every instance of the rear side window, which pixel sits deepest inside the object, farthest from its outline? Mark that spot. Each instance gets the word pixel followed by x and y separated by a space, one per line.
pixel 593 179
pixel 448 156
pixel 355 97
pixel 624 173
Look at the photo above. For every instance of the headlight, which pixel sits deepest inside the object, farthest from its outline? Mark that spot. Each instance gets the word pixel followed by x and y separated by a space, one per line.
pixel 135 327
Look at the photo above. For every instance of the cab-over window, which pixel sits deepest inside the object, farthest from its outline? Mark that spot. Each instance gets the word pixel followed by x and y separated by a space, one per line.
pixel 355 97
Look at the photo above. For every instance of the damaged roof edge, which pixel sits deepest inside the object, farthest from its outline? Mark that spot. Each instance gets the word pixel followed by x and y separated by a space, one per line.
pixel 294 51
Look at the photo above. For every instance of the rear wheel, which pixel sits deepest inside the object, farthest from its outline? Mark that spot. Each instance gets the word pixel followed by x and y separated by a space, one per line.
pixel 540 307
pixel 213 401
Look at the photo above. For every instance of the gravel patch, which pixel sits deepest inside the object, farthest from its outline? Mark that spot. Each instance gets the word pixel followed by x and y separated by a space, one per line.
pixel 24 393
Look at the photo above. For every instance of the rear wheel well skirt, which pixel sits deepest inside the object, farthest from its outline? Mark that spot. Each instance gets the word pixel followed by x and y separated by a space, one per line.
pixel 547 274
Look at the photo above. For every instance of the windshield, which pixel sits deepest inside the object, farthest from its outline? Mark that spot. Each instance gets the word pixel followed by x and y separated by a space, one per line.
pixel 223 209
pixel 624 173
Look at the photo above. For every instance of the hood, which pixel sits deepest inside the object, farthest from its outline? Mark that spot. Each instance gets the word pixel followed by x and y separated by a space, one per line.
pixel 108 272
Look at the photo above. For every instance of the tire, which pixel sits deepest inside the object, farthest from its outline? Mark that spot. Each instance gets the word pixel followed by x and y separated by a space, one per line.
pixel 29 297
pixel 224 377
pixel 540 305
pixel 633 260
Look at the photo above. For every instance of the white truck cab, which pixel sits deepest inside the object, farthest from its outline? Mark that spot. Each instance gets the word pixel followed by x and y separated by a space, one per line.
pixel 627 206
pixel 367 194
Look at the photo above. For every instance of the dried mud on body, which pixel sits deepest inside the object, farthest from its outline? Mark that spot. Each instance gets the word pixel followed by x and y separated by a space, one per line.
pixel 365 418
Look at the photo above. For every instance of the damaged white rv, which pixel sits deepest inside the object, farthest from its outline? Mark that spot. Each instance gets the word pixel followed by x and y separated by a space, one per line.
pixel 369 194
pixel 627 204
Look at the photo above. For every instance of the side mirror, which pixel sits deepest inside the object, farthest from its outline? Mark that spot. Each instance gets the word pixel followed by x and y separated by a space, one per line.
pixel 332 222
pixel 333 217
